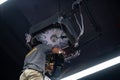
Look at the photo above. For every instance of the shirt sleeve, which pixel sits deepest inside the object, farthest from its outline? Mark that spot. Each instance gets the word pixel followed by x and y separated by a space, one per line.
pixel 45 48
pixel 48 49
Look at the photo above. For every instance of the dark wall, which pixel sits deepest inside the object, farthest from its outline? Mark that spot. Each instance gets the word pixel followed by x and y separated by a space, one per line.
pixel 10 70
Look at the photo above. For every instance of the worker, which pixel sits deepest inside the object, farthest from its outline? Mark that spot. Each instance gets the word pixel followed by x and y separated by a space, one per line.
pixel 34 63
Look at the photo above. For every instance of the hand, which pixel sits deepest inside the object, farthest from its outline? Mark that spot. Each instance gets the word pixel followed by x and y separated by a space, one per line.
pixel 61 51
pixel 58 51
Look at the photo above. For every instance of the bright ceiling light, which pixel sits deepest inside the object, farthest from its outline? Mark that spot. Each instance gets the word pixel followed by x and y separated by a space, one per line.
pixel 94 69
pixel 2 1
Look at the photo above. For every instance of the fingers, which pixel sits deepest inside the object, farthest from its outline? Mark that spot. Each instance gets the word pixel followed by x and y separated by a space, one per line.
pixel 61 51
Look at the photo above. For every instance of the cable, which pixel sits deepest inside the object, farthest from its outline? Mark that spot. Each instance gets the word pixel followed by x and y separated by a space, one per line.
pixel 60 18
pixel 81 26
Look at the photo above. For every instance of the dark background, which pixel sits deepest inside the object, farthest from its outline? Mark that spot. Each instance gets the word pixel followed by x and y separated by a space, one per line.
pixel 17 16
